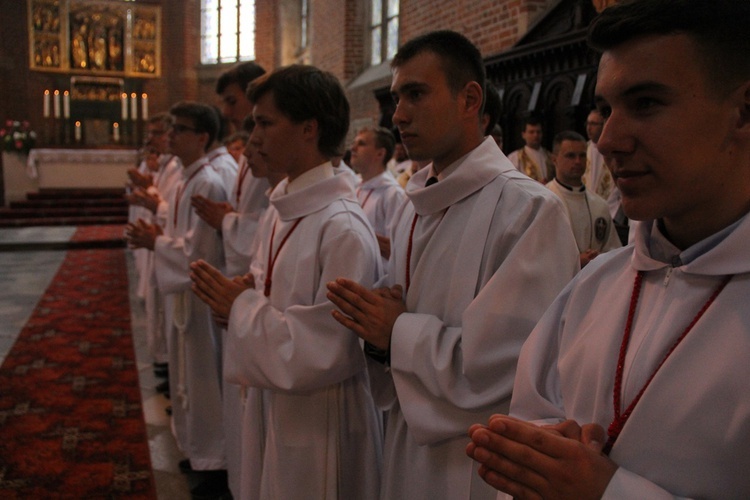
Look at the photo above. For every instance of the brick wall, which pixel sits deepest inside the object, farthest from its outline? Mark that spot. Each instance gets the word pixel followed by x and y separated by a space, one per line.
pixel 338 39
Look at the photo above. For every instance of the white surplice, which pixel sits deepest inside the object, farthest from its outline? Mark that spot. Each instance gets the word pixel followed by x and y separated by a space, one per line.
pixel 491 249
pixel 193 337
pixel 249 199
pixel 224 164
pixel 140 255
pixel 688 435
pixel 380 198
pixel 165 181
pixel 310 429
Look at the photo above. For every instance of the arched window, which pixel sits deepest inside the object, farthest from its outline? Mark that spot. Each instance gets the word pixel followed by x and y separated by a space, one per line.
pixel 227 31
pixel 383 30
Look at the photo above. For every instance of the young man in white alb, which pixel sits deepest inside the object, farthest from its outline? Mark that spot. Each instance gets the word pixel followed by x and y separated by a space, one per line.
pixel 640 367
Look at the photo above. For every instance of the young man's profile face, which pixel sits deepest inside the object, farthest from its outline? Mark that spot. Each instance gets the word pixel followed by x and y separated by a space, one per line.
pixel 365 154
pixel 156 136
pixel 427 113
pixel 667 135
pixel 183 140
pixel 234 105
pixel 277 138
pixel 570 162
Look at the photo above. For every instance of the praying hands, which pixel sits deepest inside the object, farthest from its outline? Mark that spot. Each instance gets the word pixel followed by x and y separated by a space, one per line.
pixel 370 314
pixel 141 234
pixel 216 290
pixel 210 211
pixel 529 461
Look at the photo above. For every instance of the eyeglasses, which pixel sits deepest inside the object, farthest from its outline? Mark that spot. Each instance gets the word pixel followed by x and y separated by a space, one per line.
pixel 178 129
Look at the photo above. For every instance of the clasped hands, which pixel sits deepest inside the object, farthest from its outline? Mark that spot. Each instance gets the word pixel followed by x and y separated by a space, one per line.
pixel 218 291
pixel 142 180
pixel 370 314
pixel 141 234
pixel 553 461
pixel 210 211
pixel 142 198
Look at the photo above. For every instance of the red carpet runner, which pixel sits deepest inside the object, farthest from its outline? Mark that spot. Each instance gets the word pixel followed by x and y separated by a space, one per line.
pixel 71 423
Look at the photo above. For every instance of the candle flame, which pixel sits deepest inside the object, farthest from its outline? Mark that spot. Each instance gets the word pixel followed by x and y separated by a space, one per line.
pixel 46 92
pixel 57 92
pixel 66 92
pixel 145 96
pixel 78 124
pixel 116 125
pixel 133 95
pixel 124 95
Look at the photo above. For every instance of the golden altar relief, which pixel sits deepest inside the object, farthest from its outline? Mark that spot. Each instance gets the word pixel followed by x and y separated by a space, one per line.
pixel 95 37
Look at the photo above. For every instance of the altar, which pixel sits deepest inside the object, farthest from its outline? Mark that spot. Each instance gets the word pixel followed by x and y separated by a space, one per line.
pixel 65 168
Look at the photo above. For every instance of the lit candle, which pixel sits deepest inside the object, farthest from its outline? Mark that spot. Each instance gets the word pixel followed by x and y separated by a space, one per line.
pixel 46 103
pixel 66 104
pixel 144 106
pixel 124 101
pixel 133 106
pixel 56 104
pixel 78 131
pixel 116 132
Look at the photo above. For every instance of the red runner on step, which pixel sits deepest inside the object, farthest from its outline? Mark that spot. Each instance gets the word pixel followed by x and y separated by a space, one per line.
pixel 71 421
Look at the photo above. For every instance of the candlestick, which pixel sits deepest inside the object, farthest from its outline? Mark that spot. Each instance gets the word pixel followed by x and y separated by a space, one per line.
pixel 78 131
pixel 116 131
pixel 56 104
pixel 133 106
pixel 66 104
pixel 124 102
pixel 46 103
pixel 144 106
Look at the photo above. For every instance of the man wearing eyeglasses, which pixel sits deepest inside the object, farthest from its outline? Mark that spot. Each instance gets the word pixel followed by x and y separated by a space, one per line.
pixel 194 338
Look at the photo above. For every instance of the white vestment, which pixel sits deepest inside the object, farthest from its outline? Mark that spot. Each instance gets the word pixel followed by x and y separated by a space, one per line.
pixel 250 200
pixel 136 212
pixel 194 337
pixel 310 429
pixel 491 250
pixel 225 165
pixel 589 217
pixel 688 435
pixel 380 198
pixel 165 181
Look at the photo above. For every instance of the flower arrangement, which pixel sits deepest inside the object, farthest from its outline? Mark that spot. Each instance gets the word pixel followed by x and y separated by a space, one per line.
pixel 17 136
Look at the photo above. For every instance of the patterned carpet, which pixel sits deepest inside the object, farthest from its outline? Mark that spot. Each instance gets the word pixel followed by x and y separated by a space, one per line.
pixel 71 422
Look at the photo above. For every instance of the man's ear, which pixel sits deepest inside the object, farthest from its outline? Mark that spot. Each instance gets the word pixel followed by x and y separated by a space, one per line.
pixel 310 129
pixel 473 95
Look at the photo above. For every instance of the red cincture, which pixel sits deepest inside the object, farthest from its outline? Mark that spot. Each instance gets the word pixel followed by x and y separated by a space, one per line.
pixel 272 258
pixel 621 418
pixel 369 192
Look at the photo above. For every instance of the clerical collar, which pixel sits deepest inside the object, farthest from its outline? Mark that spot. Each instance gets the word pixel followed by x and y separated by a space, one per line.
pixel 317 174
pixel 663 250
pixel 579 189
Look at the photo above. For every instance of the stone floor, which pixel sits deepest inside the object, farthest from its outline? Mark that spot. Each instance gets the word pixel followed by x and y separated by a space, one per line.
pixel 24 276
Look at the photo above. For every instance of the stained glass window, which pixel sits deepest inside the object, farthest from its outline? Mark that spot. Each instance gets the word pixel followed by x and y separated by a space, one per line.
pixel 383 30
pixel 227 31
